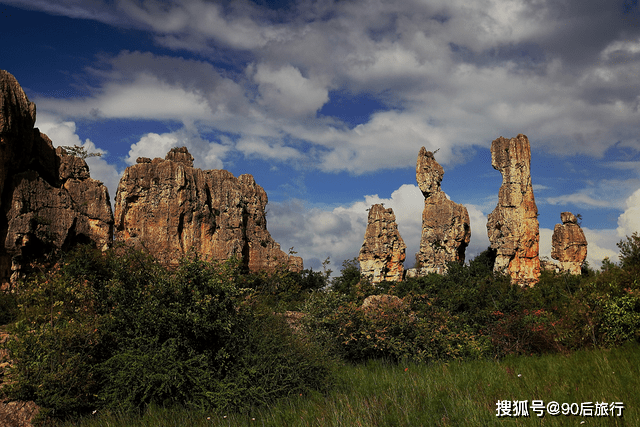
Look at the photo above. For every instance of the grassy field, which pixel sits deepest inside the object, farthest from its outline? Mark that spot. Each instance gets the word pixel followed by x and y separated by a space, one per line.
pixel 454 394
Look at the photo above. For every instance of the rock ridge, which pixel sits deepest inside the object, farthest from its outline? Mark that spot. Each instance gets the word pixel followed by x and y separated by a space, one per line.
pixel 48 200
pixel 170 208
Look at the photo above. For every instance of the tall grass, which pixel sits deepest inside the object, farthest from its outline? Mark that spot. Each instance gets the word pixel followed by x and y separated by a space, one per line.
pixel 439 394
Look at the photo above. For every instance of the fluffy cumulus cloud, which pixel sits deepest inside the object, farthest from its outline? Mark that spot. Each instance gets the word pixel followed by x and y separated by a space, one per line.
pixel 629 221
pixel 207 154
pixel 289 93
pixel 256 147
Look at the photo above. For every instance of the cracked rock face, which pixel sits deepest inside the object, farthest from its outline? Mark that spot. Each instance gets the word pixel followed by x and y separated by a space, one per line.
pixel 383 251
pixel 48 201
pixel 568 244
pixel 446 229
pixel 171 208
pixel 512 227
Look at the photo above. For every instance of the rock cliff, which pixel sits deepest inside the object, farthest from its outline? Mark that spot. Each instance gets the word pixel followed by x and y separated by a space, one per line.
pixel 48 201
pixel 512 227
pixel 446 229
pixel 170 208
pixel 568 244
pixel 383 251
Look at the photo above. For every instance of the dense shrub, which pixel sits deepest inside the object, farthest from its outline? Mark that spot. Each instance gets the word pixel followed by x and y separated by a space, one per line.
pixel 471 311
pixel 392 331
pixel 283 289
pixel 116 330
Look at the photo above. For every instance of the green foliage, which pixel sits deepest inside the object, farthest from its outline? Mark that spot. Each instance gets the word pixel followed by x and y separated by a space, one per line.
pixel 116 331
pixel 471 312
pixel 349 277
pixel 8 306
pixel 391 331
pixel 283 289
pixel 621 319
pixel 630 255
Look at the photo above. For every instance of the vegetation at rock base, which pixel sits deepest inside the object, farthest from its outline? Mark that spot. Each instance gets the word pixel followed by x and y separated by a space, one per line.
pixel 117 331
pixel 119 334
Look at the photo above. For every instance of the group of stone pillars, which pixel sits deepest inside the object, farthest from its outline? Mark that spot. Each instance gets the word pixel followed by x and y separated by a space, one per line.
pixel 512 227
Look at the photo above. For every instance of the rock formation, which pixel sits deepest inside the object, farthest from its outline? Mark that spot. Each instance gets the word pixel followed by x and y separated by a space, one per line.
pixel 512 227
pixel 446 229
pixel 568 244
pixel 48 202
pixel 171 208
pixel 383 251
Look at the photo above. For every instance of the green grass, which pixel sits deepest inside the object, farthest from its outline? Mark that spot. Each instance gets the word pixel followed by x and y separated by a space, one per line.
pixel 454 394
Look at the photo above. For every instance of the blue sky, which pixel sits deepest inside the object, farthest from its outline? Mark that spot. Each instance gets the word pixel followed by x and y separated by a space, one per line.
pixel 327 103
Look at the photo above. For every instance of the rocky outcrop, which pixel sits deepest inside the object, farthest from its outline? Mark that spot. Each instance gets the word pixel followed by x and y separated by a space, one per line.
pixel 383 251
pixel 568 244
pixel 446 229
pixel 171 208
pixel 512 227
pixel 48 201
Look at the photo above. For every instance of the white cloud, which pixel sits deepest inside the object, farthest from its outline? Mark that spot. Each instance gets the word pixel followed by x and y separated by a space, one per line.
pixel 252 146
pixel 578 199
pixel 546 235
pixel 601 244
pixel 153 145
pixel 629 220
pixel 236 29
pixel 289 93
pixel 603 193
pixel 147 97
pixel 452 74
pixel 207 154
pixel 479 239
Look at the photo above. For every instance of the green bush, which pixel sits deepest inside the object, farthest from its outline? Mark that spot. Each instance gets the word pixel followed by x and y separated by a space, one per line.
pixel 393 332
pixel 8 307
pixel 117 331
pixel 621 319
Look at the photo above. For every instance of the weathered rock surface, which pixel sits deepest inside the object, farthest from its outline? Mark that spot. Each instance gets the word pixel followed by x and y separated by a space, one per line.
pixel 512 227
pixel 383 251
pixel 568 244
pixel 48 202
pixel 446 229
pixel 170 208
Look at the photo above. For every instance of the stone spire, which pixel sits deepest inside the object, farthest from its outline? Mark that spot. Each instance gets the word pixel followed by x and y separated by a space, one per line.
pixel 383 251
pixel 568 244
pixel 446 229
pixel 512 227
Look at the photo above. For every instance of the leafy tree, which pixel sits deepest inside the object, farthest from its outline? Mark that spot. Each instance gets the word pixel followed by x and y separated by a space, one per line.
pixel 349 277
pixel 630 253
